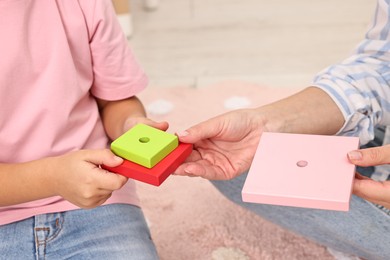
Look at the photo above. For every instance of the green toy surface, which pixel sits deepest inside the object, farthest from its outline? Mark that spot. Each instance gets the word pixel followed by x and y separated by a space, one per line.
pixel 144 145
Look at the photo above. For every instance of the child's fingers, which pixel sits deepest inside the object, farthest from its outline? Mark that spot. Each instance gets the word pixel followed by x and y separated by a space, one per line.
pixel 132 121
pixel 99 157
pixel 104 179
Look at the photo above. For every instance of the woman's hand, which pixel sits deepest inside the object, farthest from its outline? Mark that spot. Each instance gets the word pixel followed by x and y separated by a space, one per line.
pixel 375 191
pixel 224 146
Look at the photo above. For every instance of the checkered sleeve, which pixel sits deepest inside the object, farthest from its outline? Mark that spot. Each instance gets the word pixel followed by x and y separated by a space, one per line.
pixel 359 85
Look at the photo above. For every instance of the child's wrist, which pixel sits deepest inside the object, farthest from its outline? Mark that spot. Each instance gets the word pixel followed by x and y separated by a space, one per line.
pixel 49 175
pixel 132 121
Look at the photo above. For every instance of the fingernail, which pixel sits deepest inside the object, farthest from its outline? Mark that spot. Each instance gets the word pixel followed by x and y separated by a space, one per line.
pixel 355 155
pixel 182 133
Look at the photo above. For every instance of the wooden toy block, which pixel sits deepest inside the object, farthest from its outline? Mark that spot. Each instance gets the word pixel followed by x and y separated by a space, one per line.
pixel 310 171
pixel 160 172
pixel 144 145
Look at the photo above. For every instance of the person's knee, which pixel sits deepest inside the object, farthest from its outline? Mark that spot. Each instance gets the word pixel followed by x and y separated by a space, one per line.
pixel 231 188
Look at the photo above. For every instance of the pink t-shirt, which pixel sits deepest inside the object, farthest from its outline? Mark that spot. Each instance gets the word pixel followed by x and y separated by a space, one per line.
pixel 55 56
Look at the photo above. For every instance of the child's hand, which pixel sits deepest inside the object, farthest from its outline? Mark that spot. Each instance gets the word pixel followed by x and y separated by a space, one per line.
pixel 132 121
pixel 121 115
pixel 79 179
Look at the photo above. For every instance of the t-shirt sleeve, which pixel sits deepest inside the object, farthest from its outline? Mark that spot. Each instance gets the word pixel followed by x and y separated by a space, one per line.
pixel 117 74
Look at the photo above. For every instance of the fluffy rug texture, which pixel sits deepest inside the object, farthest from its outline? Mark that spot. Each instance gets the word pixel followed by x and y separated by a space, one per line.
pixel 188 217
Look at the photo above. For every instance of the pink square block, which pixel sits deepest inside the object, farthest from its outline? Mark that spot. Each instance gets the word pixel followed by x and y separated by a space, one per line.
pixel 310 171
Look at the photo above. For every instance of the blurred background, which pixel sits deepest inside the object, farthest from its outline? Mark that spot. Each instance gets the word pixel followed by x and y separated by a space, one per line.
pixel 275 43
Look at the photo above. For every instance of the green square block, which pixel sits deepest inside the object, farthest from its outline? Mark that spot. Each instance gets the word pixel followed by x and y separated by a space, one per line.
pixel 144 145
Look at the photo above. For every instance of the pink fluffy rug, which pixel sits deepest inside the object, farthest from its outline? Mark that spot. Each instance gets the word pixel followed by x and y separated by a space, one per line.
pixel 188 218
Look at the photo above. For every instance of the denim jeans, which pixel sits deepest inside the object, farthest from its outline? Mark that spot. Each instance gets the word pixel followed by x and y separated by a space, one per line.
pixel 116 231
pixel 363 231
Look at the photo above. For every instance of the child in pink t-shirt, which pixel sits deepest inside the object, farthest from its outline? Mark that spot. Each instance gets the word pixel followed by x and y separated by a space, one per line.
pixel 68 82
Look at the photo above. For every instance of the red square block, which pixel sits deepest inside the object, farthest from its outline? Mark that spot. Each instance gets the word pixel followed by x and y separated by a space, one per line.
pixel 158 173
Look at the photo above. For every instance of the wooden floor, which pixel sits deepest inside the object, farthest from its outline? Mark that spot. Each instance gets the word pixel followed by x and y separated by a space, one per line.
pixel 277 43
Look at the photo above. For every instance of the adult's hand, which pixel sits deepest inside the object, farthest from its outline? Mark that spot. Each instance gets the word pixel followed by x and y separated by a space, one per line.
pixel 224 146
pixel 375 191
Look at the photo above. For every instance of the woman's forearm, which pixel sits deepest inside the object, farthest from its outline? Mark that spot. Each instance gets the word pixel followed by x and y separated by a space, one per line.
pixel 311 111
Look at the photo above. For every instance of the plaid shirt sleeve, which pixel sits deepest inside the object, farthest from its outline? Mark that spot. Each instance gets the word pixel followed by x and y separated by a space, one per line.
pixel 360 85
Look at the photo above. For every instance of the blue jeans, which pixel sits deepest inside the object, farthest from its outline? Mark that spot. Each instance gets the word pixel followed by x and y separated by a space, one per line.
pixel 363 231
pixel 116 231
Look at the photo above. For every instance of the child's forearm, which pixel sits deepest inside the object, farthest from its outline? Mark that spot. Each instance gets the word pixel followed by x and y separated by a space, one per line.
pixel 115 113
pixel 24 182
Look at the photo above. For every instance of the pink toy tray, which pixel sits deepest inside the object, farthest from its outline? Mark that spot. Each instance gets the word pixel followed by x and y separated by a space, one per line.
pixel 310 171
